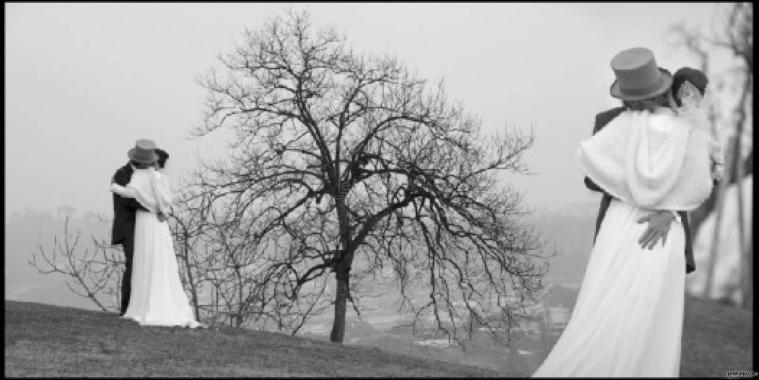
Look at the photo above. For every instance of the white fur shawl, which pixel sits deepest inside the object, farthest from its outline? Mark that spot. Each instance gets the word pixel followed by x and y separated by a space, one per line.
pixel 656 161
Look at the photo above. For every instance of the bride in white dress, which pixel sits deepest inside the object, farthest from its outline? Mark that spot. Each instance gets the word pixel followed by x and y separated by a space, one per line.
pixel 157 296
pixel 628 317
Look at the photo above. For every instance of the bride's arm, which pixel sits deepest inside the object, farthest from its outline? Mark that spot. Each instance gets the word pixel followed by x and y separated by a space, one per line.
pixel 164 205
pixel 132 191
pixel 123 191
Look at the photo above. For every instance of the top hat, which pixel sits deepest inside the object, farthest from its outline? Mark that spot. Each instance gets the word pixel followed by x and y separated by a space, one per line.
pixel 143 152
pixel 638 76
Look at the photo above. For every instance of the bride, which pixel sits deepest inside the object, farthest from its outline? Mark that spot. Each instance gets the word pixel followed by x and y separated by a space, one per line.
pixel 627 321
pixel 157 296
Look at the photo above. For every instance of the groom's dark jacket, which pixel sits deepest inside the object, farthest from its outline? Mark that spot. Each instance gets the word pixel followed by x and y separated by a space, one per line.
pixel 124 209
pixel 602 119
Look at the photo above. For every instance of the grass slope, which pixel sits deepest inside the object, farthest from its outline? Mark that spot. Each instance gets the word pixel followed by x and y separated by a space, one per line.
pixel 45 340
pixel 716 339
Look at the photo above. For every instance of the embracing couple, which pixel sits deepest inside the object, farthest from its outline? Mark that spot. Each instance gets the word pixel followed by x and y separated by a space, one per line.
pixel 151 291
pixel 653 160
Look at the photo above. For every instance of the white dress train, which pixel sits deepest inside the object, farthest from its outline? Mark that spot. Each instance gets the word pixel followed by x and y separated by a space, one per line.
pixel 628 318
pixel 157 296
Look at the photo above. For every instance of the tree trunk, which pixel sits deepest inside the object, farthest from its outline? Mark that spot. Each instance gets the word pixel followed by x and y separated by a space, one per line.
pixel 544 326
pixel 748 297
pixel 342 272
pixel 341 300
pixel 240 307
pixel 746 283
pixel 745 256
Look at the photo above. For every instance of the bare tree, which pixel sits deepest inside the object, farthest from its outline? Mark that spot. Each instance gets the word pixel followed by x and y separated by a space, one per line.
pixel 188 222
pixel 222 266
pixel 349 164
pixel 93 273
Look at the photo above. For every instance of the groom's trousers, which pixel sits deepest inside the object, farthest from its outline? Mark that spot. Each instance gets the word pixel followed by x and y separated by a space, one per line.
pixel 126 281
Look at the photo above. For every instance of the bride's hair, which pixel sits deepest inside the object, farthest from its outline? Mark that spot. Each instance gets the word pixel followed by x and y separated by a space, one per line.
pixel 695 77
pixel 162 157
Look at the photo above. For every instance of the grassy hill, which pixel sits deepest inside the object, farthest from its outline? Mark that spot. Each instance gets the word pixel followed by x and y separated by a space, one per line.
pixel 45 340
pixel 716 339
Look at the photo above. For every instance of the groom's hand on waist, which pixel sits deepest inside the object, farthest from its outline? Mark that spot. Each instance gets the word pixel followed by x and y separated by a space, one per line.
pixel 162 217
pixel 659 223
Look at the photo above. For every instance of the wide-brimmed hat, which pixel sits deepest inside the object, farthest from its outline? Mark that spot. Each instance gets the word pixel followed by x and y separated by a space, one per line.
pixel 143 152
pixel 638 76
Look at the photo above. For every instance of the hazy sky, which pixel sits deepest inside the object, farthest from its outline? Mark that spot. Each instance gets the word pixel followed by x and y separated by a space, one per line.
pixel 84 81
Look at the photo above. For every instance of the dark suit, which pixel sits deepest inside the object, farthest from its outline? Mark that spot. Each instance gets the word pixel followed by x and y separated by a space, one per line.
pixel 124 212
pixel 602 119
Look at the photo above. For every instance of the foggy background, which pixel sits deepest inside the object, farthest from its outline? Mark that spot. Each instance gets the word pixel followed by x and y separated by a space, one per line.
pixel 84 81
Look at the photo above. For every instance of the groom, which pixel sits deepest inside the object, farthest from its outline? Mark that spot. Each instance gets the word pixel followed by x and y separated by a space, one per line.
pixel 639 79
pixel 142 156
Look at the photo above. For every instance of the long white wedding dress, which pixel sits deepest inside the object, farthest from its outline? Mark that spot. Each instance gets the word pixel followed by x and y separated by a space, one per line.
pixel 157 296
pixel 627 320
pixel 628 317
